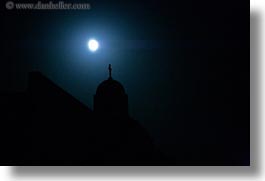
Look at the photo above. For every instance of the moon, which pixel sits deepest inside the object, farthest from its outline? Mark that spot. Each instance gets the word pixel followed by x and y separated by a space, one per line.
pixel 93 45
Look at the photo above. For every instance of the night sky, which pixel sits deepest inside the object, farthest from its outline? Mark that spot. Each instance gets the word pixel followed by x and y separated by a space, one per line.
pixel 183 64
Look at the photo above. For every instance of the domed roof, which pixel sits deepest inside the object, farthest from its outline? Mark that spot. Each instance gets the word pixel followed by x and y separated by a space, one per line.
pixel 110 87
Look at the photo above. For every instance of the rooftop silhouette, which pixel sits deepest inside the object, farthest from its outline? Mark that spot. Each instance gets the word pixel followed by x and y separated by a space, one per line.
pixel 57 128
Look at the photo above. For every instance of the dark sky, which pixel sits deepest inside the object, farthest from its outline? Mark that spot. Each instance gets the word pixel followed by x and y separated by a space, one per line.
pixel 184 64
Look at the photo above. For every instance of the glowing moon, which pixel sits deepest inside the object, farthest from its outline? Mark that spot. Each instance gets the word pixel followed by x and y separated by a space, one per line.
pixel 93 45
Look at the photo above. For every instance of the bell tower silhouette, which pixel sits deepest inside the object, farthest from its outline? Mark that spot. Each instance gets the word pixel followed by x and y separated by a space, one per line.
pixel 110 98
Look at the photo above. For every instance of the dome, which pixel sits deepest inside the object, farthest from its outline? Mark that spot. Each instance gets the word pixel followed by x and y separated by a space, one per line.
pixel 110 98
pixel 110 87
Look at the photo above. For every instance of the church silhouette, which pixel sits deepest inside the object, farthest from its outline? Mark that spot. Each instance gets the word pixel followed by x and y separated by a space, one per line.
pixel 46 125
pixel 110 98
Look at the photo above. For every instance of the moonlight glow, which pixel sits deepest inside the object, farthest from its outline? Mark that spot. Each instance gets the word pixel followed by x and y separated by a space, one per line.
pixel 93 45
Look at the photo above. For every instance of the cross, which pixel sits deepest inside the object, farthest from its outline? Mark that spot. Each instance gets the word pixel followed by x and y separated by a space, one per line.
pixel 110 69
